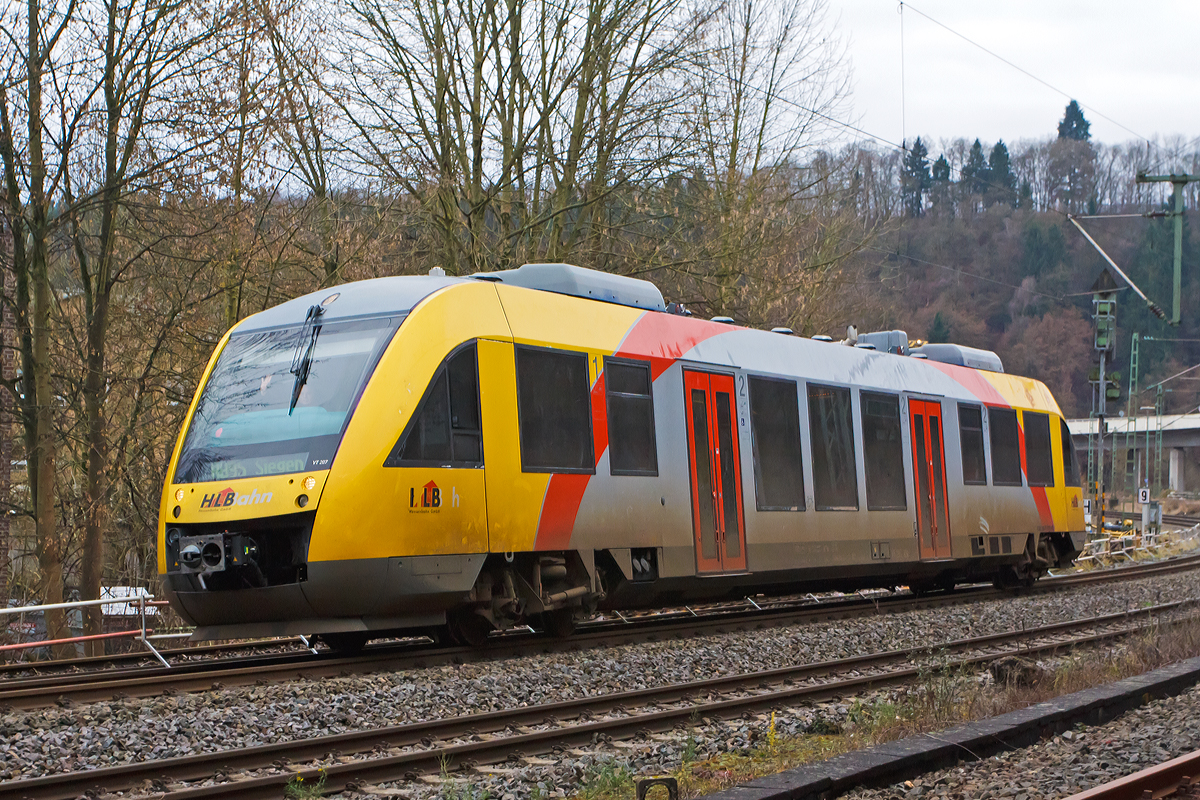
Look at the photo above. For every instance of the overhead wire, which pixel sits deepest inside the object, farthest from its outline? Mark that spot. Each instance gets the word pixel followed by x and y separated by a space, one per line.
pixel 1029 74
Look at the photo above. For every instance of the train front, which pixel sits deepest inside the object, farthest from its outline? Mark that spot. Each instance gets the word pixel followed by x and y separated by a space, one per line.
pixel 246 478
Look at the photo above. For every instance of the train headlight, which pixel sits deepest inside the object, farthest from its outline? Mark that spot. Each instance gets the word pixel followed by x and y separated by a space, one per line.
pixel 302 500
pixel 179 495
pixel 310 483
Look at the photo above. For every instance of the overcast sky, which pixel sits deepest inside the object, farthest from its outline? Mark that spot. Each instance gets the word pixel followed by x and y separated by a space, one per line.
pixel 1131 61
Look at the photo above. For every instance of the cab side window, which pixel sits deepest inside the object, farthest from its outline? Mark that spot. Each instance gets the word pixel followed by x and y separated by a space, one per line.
pixel 445 431
pixel 1070 463
pixel 555 410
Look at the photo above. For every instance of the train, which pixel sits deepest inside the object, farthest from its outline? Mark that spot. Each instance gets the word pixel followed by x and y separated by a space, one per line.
pixel 461 455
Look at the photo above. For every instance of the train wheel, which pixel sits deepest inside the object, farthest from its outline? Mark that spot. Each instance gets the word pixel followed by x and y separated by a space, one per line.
pixel 468 628
pixel 559 623
pixel 347 643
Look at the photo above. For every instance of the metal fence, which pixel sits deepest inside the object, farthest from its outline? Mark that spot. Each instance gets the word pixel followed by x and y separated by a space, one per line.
pixel 134 606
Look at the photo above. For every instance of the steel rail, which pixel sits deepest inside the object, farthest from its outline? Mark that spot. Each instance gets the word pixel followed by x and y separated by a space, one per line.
pixel 488 749
pixel 201 676
pixel 1154 782
pixel 82 663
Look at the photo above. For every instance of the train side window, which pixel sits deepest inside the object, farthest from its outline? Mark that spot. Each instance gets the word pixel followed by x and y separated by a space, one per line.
pixel 555 411
pixel 1039 463
pixel 775 428
pixel 1006 450
pixel 970 434
pixel 445 431
pixel 1070 463
pixel 631 446
pixel 883 452
pixel 831 422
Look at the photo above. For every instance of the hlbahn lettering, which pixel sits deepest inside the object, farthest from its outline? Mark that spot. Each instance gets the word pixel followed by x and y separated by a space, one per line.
pixel 227 497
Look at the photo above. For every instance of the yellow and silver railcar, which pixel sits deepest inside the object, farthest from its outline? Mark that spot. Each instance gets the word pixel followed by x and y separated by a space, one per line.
pixel 527 446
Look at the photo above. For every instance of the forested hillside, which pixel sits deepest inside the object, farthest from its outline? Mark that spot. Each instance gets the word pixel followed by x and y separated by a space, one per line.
pixel 981 252
pixel 1016 281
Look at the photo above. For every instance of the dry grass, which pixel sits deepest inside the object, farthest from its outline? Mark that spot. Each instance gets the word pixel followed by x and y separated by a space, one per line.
pixel 940 698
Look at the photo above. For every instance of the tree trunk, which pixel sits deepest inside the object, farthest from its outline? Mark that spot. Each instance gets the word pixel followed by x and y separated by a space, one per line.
pixel 41 461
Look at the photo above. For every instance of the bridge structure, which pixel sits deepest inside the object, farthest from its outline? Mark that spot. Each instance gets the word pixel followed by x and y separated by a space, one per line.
pixel 1180 445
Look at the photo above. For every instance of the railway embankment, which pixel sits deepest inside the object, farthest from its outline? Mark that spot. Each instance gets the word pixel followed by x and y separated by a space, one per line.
pixel 1061 763
pixel 123 731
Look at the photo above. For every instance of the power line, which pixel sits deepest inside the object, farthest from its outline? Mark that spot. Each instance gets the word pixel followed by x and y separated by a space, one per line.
pixel 1027 73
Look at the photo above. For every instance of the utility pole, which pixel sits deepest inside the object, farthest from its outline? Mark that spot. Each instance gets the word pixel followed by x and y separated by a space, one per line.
pixel 1178 182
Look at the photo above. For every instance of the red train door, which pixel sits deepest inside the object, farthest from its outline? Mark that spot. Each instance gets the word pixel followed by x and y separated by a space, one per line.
pixel 716 472
pixel 933 523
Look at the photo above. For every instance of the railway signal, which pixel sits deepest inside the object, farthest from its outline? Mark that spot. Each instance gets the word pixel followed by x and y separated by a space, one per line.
pixel 1104 304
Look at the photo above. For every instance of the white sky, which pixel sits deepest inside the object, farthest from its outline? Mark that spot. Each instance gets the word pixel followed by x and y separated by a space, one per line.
pixel 1130 60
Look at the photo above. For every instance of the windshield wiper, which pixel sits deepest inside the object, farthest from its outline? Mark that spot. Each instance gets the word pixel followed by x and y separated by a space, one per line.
pixel 302 358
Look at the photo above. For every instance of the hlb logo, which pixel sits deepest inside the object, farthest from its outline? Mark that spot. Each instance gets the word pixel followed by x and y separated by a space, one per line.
pixel 431 499
pixel 228 497
pixel 431 496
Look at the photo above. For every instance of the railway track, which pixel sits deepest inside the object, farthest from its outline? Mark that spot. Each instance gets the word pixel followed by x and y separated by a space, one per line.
pixel 360 758
pixel 299 647
pixel 41 691
pixel 1179 778
pixel 84 664
pixel 1181 520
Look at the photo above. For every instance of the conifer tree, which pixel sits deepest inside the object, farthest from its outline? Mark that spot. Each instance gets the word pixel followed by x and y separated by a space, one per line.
pixel 939 331
pixel 941 170
pixel 1025 201
pixel 975 175
pixel 940 186
pixel 1002 184
pixel 1073 125
pixel 916 180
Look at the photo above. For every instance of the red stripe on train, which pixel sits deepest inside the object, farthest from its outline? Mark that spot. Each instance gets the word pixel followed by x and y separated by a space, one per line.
pixel 662 338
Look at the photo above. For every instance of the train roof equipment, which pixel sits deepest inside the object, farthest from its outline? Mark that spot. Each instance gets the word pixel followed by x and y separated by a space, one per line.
pixel 589 284
pixel 961 355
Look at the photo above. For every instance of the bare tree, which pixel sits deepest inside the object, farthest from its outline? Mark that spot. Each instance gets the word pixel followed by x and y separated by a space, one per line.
pixel 30 183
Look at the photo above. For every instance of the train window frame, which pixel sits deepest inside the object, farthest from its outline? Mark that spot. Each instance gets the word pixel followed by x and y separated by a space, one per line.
pixel 865 396
pixel 395 458
pixel 852 466
pixel 761 501
pixel 1071 476
pixel 614 399
pixel 1038 453
pixel 962 441
pixel 995 429
pixel 523 429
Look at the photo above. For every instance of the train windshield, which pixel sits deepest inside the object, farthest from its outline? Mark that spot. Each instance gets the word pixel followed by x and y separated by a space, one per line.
pixel 262 415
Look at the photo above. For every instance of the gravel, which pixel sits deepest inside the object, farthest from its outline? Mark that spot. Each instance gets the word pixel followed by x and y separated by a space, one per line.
pixel 109 733
pixel 1068 763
